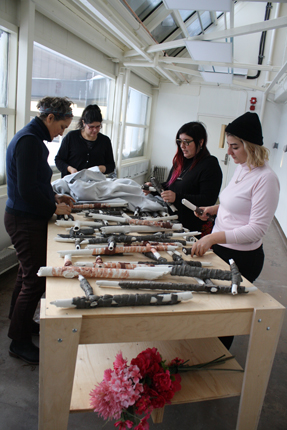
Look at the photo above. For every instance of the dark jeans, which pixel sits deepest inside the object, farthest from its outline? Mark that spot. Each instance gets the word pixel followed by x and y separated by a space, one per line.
pixel 249 263
pixel 29 237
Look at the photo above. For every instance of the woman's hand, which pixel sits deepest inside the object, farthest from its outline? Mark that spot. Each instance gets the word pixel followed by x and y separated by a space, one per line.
pixel 102 168
pixel 63 198
pixel 63 209
pixel 200 247
pixel 207 211
pixel 71 169
pixel 168 196
pixel 146 192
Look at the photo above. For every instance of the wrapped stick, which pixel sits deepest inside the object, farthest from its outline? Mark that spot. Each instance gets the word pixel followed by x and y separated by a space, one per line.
pixel 80 206
pixel 108 300
pixel 159 189
pixel 89 272
pixel 124 238
pixel 111 265
pixel 169 286
pixel 137 229
pixel 196 209
pixel 117 250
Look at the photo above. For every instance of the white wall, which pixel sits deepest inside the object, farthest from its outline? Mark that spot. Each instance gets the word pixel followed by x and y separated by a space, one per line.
pixel 174 107
pixel 275 130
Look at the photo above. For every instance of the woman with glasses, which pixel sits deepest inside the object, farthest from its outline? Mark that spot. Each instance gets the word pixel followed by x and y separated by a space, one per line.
pixel 195 175
pixel 86 147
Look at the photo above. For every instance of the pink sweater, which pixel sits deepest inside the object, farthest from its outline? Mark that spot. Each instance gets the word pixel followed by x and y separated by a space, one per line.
pixel 247 207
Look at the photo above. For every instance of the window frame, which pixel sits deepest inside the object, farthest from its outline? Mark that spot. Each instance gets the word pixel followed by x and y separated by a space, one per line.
pixel 10 110
pixel 146 127
pixel 107 122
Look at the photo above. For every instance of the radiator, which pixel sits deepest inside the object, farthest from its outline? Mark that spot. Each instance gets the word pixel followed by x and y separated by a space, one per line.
pixel 160 173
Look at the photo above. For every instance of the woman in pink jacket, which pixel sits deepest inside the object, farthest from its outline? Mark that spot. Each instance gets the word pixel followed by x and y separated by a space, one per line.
pixel 247 204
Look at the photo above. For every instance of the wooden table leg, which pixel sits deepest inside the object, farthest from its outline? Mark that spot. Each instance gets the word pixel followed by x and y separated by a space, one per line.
pixel 264 336
pixel 59 340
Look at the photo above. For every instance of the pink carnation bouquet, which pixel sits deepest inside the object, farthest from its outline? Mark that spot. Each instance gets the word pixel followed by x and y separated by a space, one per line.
pixel 129 393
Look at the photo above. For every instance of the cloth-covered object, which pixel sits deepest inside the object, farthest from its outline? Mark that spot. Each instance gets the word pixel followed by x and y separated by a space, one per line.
pixel 200 185
pixel 90 185
pixel 82 154
pixel 247 206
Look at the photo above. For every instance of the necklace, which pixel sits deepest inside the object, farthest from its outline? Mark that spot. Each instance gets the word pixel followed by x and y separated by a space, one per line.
pixel 239 180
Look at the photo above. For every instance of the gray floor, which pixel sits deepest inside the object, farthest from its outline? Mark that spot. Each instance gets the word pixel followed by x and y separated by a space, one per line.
pixel 19 382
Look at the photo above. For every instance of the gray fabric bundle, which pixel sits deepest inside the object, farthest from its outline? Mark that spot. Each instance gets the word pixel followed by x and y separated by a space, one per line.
pixel 90 185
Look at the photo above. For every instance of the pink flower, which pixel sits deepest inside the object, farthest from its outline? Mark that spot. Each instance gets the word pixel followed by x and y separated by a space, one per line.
pixel 120 389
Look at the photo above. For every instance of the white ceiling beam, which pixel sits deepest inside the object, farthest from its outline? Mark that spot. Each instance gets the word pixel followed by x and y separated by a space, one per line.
pixel 81 25
pixel 179 21
pixel 183 70
pixel 247 84
pixel 102 11
pixel 257 27
pixel 132 21
pixel 99 12
pixel 223 34
pixel 277 77
pixel 181 60
pixel 159 15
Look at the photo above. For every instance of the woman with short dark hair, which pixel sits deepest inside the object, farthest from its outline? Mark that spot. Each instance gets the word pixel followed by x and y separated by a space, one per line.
pixel 31 203
pixel 86 147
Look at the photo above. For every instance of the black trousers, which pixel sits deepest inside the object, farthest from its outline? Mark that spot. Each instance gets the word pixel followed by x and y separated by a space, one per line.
pixel 249 263
pixel 29 237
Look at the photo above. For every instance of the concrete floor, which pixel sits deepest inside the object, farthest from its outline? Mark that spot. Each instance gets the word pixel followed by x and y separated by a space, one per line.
pixel 19 382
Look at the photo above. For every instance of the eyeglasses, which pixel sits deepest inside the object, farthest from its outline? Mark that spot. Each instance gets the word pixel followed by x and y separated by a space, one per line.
pixel 184 142
pixel 94 127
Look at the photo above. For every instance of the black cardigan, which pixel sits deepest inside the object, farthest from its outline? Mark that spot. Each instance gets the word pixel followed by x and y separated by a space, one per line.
pixel 200 185
pixel 80 153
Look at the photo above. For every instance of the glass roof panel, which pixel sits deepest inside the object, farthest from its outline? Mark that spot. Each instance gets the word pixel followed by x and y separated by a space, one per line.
pixel 205 19
pixel 194 28
pixel 186 14
pixel 164 29
pixel 142 8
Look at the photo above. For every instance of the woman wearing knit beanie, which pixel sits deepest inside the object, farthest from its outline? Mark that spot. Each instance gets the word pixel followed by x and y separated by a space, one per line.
pixel 247 204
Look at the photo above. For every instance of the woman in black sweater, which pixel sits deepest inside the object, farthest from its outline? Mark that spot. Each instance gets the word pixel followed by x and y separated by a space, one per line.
pixel 86 147
pixel 195 176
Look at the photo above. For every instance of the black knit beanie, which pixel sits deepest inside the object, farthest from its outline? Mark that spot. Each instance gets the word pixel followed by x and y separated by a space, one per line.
pixel 247 127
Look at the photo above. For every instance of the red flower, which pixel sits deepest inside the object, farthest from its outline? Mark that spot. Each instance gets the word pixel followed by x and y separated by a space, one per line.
pixel 148 362
pixel 162 381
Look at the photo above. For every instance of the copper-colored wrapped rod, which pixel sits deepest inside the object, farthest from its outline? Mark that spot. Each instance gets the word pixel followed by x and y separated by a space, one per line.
pixel 89 272
pixel 110 265
pixel 98 205
pixel 117 250
pixel 138 243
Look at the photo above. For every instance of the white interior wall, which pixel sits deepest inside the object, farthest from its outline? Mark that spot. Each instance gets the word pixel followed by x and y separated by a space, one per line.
pixel 275 130
pixel 173 106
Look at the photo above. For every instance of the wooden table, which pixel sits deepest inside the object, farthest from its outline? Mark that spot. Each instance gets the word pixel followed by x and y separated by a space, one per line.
pixel 76 346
